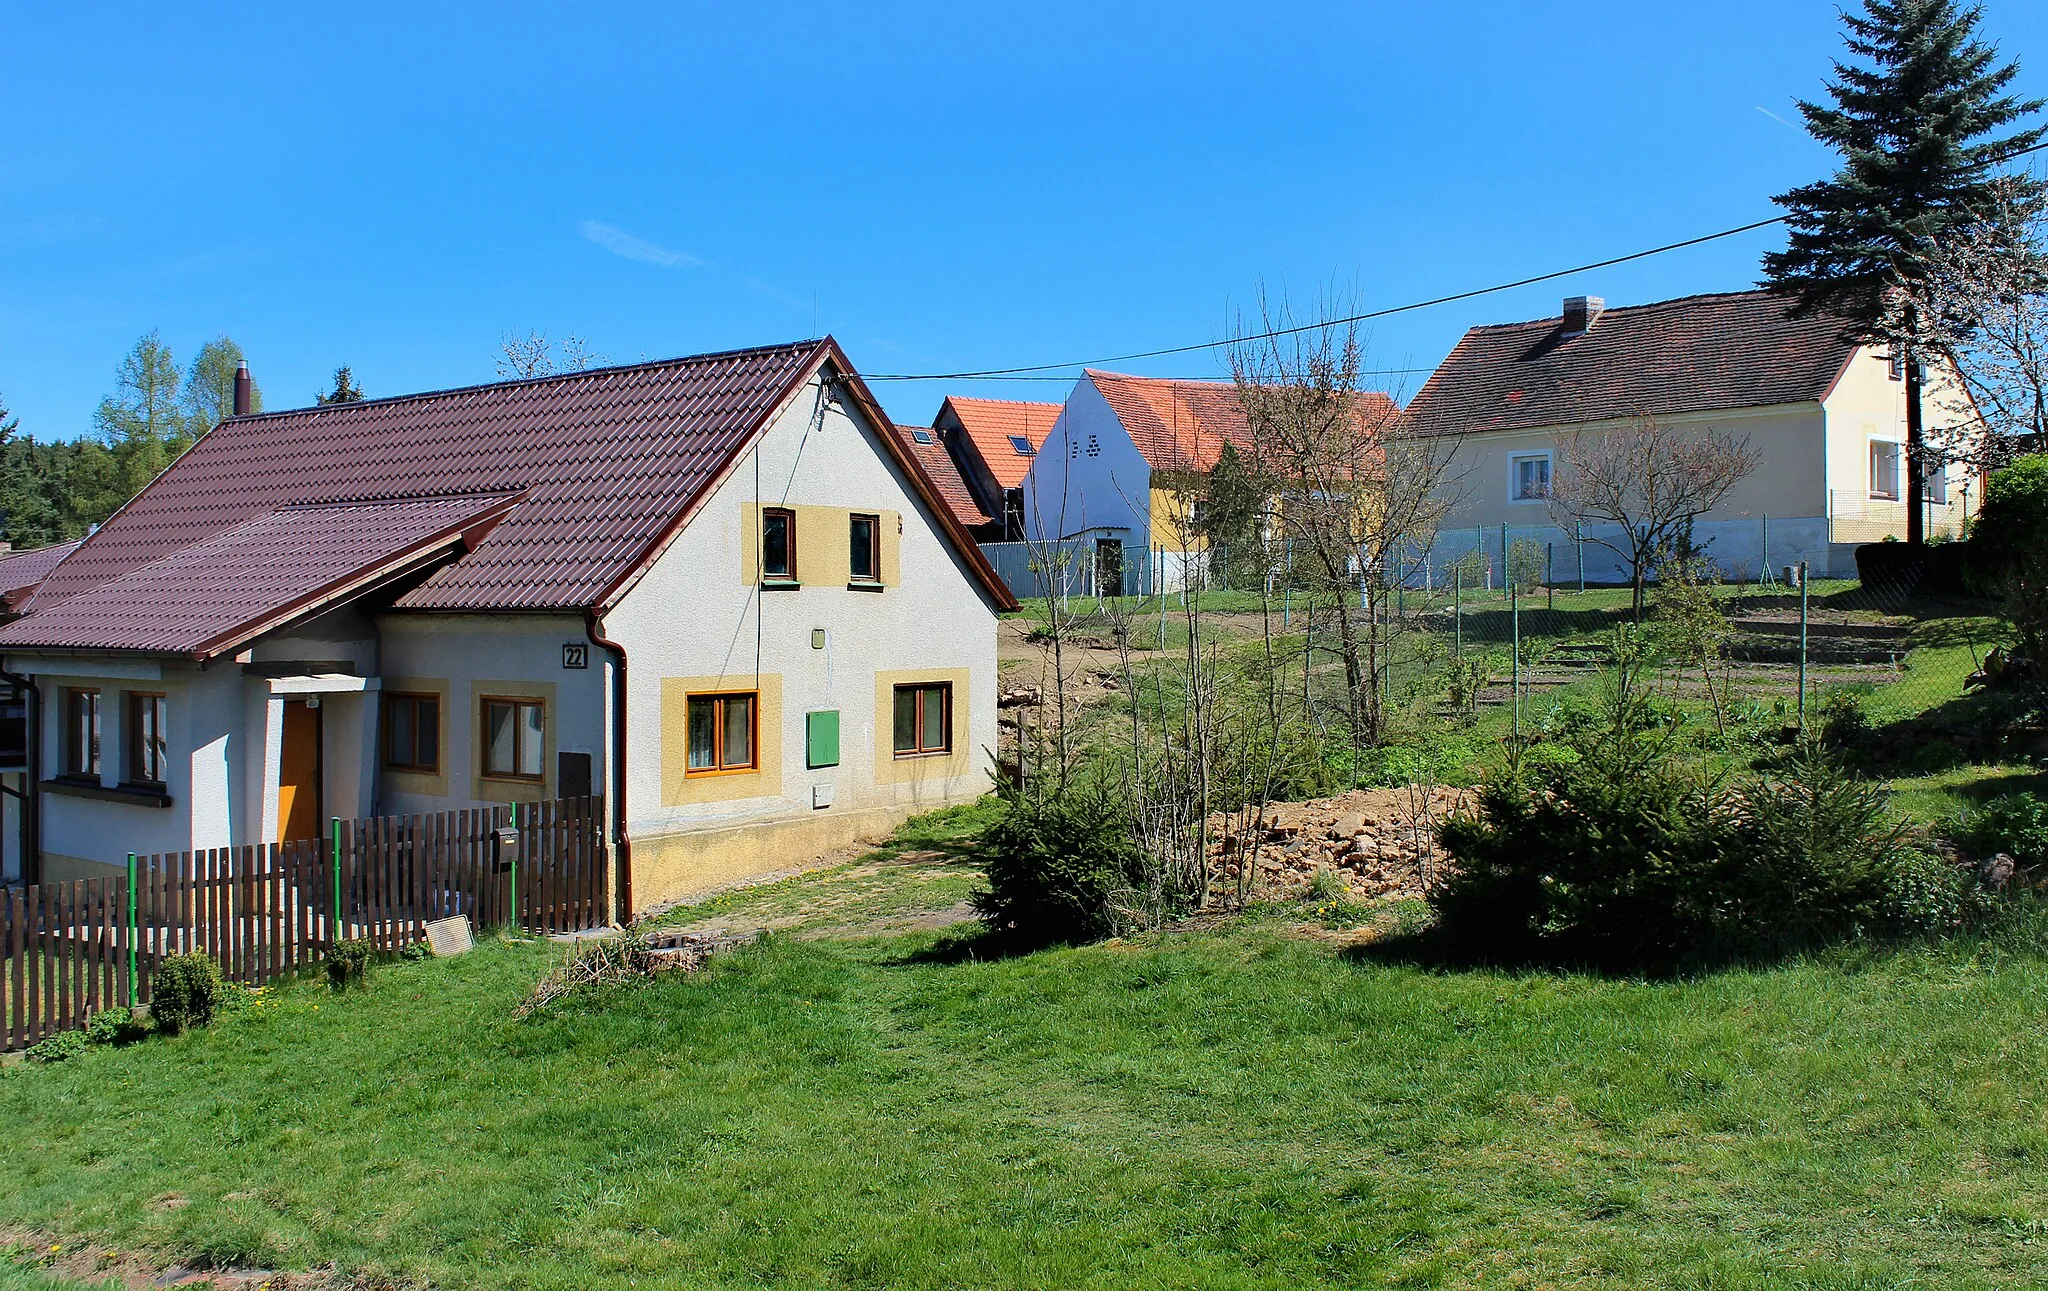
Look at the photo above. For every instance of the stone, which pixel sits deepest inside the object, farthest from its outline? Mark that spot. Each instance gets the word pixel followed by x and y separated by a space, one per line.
pixel 449 936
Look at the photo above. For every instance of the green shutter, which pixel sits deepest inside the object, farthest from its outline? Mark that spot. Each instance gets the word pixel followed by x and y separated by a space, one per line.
pixel 821 739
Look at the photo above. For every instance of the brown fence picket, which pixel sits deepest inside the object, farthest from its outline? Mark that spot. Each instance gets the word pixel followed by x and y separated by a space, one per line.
pixel 264 912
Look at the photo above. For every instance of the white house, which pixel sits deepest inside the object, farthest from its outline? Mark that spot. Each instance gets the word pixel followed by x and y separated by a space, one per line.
pixel 717 590
pixel 1109 476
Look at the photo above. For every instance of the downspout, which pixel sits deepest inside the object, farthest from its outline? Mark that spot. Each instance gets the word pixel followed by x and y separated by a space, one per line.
pixel 31 795
pixel 622 843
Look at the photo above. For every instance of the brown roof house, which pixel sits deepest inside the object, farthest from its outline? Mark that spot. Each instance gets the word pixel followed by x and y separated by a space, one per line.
pixel 704 588
pixel 1826 417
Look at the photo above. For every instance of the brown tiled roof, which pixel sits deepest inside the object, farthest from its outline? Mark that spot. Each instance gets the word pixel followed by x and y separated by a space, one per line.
pixel 1182 425
pixel 609 464
pixel 216 595
pixel 945 472
pixel 1696 354
pixel 989 423
pixel 21 572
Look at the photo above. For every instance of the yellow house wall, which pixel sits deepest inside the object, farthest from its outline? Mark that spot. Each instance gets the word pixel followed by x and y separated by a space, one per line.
pixel 1789 479
pixel 1867 405
pixel 1170 528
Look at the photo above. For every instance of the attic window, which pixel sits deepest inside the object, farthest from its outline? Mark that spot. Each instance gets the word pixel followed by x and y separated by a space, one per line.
pixel 921 436
pixel 1023 446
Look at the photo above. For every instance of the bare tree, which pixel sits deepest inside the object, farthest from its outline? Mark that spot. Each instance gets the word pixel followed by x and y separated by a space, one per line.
pixel 533 355
pixel 1358 497
pixel 1984 303
pixel 1650 482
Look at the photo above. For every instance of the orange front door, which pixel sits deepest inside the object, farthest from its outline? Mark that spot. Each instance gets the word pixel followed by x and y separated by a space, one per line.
pixel 298 773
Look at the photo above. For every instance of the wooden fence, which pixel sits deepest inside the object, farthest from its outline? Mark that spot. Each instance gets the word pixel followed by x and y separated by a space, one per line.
pixel 68 950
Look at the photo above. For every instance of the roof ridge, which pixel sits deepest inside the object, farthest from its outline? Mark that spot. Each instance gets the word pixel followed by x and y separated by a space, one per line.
pixel 1611 310
pixel 644 364
pixel 1014 403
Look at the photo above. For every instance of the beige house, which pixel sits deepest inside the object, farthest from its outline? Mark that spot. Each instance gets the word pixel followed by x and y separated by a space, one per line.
pixel 1826 417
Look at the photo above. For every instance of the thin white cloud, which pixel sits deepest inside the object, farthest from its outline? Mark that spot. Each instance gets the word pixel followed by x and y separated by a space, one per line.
pixel 621 243
pixel 1780 120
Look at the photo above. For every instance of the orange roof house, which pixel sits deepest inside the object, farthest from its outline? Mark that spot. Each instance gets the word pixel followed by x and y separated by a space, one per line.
pixel 994 442
pixel 1108 467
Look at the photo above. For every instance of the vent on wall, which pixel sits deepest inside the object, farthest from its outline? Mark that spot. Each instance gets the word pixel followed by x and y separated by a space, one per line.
pixel 1094 446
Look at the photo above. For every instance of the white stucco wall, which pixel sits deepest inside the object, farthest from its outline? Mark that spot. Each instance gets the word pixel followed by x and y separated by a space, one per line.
pixel 1867 404
pixel 696 614
pixel 1089 476
pixel 465 657
pixel 203 731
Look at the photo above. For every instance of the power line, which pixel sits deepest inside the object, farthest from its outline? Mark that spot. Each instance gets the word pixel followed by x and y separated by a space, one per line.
pixel 1019 373
pixel 1012 373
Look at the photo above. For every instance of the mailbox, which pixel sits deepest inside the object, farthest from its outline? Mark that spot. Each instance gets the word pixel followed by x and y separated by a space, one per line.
pixel 507 839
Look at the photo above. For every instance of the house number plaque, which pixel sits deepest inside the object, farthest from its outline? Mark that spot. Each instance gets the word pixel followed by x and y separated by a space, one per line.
pixel 575 655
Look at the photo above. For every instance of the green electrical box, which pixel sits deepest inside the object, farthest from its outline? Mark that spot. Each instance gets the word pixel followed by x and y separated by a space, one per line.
pixel 821 739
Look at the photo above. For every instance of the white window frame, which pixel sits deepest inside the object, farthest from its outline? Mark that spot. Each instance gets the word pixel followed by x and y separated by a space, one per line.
pixel 1898 493
pixel 1549 459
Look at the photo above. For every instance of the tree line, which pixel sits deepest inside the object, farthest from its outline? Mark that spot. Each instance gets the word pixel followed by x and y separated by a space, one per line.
pixel 54 490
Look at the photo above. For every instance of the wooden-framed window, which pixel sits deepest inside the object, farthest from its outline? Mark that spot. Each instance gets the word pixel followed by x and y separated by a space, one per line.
pixel 924 719
pixel 864 548
pixel 778 545
pixel 149 749
pixel 514 738
pixel 82 732
pixel 724 732
pixel 412 732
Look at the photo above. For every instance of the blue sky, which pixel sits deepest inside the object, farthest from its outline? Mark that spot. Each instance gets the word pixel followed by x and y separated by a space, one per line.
pixel 944 187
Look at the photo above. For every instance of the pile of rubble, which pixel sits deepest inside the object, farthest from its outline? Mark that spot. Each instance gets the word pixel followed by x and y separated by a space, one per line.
pixel 1380 842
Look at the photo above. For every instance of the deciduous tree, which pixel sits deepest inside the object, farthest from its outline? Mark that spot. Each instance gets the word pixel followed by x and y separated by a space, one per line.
pixel 1650 482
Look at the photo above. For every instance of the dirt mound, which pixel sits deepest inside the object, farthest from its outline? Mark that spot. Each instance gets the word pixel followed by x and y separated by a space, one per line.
pixel 1381 842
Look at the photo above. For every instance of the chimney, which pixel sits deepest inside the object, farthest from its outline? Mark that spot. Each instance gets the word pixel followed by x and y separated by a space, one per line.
pixel 1581 312
pixel 242 388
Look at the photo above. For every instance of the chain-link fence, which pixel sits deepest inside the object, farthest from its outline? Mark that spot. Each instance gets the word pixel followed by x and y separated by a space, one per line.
pixel 1502 635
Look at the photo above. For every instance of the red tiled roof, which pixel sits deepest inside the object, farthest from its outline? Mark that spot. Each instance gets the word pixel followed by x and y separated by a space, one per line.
pixel 1182 425
pixel 1696 354
pixel 989 423
pixel 608 464
pixel 214 596
pixel 21 572
pixel 945 473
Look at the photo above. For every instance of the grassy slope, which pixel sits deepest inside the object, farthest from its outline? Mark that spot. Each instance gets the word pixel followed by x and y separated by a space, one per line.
pixel 1225 1108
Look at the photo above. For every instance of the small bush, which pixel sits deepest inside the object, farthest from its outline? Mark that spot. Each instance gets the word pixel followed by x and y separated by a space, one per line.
pixel 114 1026
pixel 2013 823
pixel 1060 868
pixel 348 964
pixel 61 1047
pixel 1625 858
pixel 185 991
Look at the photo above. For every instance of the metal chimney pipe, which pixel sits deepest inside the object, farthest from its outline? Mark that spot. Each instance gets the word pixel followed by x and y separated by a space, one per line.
pixel 242 387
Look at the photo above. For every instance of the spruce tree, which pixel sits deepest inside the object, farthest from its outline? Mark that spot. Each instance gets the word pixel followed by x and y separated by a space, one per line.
pixel 1916 121
pixel 345 388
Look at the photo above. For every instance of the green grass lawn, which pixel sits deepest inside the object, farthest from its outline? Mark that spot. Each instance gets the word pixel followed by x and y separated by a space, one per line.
pixel 1238 1106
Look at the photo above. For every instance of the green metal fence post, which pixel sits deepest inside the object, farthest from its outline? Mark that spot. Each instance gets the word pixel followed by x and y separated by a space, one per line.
pixel 1515 666
pixel 1507 575
pixel 336 832
pixel 1802 647
pixel 1763 569
pixel 132 1001
pixel 1458 606
pixel 1579 546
